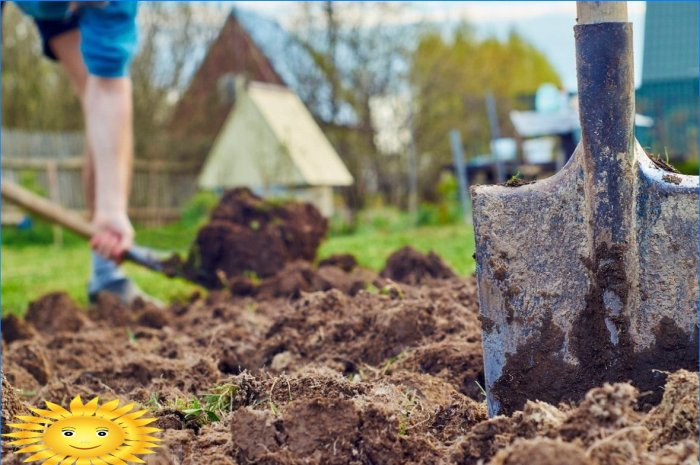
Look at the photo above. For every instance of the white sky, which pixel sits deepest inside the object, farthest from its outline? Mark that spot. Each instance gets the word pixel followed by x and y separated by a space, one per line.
pixel 509 12
pixel 489 17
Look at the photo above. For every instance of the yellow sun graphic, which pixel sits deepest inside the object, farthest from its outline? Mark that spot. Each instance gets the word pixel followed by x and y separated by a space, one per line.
pixel 88 434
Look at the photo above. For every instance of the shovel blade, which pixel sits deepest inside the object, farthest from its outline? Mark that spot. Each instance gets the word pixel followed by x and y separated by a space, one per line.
pixel 553 322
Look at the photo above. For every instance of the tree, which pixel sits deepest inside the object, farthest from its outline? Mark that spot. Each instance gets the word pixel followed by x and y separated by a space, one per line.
pixel 173 37
pixel 356 59
pixel 36 93
pixel 450 79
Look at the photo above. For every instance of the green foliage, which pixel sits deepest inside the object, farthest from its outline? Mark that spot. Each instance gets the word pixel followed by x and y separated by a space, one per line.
pixel 197 210
pixel 451 78
pixel 41 94
pixel 688 167
pixel 211 407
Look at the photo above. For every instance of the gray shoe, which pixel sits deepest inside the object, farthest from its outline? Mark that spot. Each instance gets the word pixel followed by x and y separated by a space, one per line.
pixel 126 290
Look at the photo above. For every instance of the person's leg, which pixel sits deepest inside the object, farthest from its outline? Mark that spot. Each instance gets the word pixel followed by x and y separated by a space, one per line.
pixel 66 49
pixel 104 274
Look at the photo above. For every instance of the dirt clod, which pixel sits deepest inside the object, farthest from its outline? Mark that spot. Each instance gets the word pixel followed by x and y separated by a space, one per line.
pixel 251 236
pixel 11 405
pixel 542 452
pixel 55 312
pixel 16 329
pixel 409 266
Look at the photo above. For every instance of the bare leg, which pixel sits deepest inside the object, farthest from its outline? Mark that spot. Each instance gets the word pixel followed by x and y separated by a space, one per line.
pixel 66 47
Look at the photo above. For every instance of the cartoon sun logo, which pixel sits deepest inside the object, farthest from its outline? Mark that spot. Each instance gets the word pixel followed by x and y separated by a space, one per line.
pixel 88 434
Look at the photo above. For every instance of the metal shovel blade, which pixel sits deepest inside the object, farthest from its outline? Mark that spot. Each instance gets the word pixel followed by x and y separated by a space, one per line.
pixel 591 275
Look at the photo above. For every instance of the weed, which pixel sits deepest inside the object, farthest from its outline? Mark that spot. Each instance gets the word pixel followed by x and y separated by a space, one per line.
pixel 26 393
pixel 392 290
pixel 411 406
pixel 132 337
pixel 210 407
pixel 372 289
pixel 481 388
pixel 253 277
pixel 197 410
pixel 389 363
pixel 517 180
pixel 153 403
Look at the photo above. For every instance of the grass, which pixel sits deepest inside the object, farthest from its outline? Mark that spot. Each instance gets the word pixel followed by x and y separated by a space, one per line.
pixel 30 270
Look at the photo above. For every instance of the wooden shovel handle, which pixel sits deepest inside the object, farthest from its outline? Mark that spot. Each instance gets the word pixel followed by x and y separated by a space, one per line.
pixel 50 211
pixel 601 12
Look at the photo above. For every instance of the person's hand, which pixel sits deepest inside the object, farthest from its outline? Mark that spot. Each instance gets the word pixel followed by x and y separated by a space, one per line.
pixel 114 237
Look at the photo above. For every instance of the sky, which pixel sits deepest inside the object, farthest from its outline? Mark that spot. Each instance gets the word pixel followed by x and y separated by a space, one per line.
pixel 548 25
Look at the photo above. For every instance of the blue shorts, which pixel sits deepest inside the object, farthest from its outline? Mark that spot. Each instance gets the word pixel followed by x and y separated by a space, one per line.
pixel 108 33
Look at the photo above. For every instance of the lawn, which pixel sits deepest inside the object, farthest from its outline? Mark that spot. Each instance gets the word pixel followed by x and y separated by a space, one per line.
pixel 29 271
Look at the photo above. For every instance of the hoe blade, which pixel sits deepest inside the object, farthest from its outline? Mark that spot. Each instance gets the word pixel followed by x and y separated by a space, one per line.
pixel 591 275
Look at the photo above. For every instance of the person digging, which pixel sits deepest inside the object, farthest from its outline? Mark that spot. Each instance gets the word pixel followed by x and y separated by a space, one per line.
pixel 95 42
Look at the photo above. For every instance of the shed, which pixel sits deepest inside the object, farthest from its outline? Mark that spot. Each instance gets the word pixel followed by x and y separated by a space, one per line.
pixel 271 143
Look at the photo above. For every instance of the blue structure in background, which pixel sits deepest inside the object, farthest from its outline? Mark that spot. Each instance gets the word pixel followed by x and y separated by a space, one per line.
pixel 669 90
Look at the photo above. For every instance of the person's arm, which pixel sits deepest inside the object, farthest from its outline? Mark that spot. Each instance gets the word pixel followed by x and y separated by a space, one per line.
pixel 109 121
pixel 108 42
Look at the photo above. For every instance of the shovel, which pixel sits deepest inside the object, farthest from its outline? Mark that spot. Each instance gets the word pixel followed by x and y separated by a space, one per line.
pixel 589 276
pixel 74 222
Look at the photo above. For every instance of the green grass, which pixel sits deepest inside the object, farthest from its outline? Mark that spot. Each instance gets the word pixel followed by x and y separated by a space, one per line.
pixel 454 243
pixel 32 270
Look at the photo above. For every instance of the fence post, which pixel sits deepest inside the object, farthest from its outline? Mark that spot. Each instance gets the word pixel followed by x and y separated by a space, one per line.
pixel 462 180
pixel 55 196
pixel 154 211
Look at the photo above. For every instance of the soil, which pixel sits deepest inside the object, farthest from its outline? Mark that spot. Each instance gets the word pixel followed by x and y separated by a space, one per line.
pixel 409 266
pixel 661 163
pixel 321 372
pixel 515 181
pixel 249 236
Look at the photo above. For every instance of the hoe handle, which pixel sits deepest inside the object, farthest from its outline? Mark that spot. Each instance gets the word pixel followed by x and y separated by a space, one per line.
pixel 48 210
pixel 72 221
pixel 601 12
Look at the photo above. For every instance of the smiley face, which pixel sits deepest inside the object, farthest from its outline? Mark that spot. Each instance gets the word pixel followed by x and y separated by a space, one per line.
pixel 84 437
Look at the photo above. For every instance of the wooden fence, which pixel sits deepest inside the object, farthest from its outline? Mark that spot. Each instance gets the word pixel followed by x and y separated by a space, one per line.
pixel 159 189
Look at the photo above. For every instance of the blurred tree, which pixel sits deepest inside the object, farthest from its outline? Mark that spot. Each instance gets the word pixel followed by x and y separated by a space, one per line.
pixel 37 94
pixel 450 78
pixel 358 58
pixel 173 36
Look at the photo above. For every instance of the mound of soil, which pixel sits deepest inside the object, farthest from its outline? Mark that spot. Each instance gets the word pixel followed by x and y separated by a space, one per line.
pixel 409 266
pixel 251 236
pixel 317 373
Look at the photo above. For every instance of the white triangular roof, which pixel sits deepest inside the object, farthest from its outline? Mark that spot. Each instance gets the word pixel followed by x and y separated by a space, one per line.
pixel 271 138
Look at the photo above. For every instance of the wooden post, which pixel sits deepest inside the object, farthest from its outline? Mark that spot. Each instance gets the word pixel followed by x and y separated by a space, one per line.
pixel 55 196
pixel 601 12
pixel 153 203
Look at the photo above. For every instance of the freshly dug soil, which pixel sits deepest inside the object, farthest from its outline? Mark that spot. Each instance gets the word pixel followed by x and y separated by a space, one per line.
pixel 385 373
pixel 251 236
pixel 409 266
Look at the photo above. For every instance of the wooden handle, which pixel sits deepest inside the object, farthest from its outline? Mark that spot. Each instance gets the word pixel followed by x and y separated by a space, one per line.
pixel 48 210
pixel 601 12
